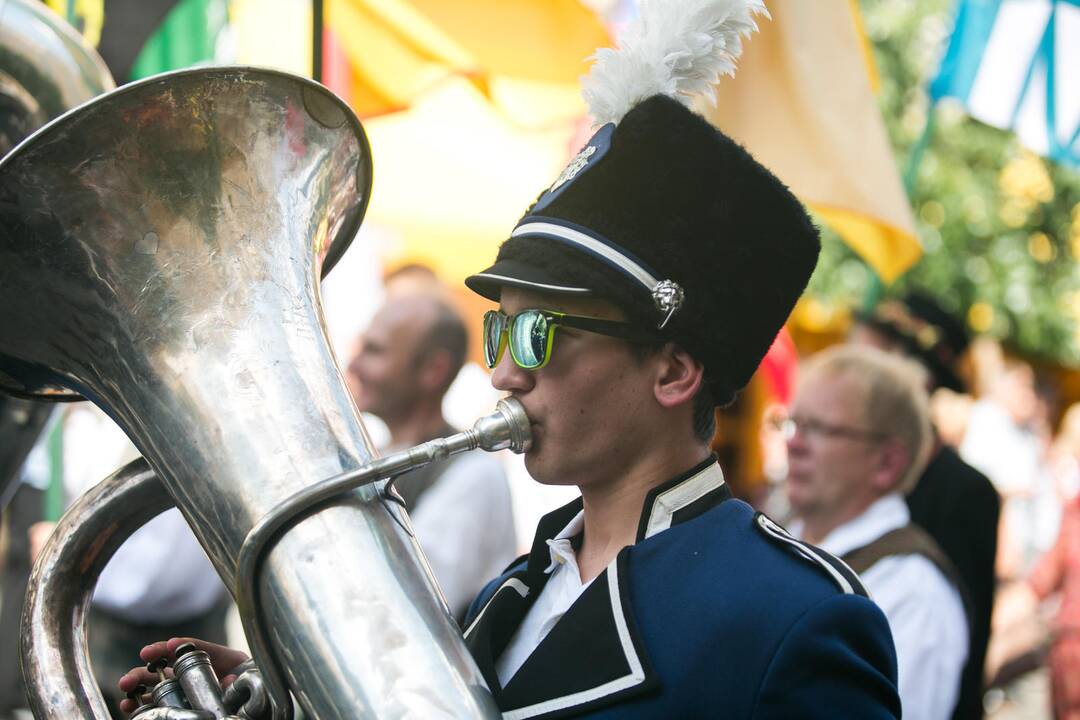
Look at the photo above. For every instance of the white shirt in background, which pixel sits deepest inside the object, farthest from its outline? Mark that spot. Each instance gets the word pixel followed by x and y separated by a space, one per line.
pixel 465 525
pixel 924 610
pixel 1011 456
pixel 160 574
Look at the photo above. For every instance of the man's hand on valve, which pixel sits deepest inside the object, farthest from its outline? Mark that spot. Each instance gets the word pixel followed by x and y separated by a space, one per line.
pixel 223 660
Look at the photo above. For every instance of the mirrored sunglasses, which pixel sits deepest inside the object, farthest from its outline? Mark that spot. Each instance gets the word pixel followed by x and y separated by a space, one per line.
pixel 530 334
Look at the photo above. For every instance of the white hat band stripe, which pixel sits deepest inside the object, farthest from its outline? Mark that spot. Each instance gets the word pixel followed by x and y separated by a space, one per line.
pixel 605 251
pixel 523 283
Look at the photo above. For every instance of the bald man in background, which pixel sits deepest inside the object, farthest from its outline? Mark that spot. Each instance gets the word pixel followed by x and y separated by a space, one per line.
pixel 460 508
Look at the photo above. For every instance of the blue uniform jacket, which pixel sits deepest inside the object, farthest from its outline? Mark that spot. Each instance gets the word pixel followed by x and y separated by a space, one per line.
pixel 715 612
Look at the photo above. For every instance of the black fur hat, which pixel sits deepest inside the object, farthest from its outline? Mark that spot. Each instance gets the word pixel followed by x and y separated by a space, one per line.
pixel 677 224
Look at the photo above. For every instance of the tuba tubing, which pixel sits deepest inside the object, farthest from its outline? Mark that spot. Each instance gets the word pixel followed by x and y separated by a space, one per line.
pixel 47 62
pixel 56 660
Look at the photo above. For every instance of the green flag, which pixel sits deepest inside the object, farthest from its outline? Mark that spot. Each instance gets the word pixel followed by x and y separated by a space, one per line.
pixel 187 37
pixel 138 38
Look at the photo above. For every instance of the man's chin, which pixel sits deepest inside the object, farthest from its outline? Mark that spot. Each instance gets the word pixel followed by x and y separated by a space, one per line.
pixel 543 471
pixel 532 462
pixel 365 403
pixel 796 497
pixel 802 505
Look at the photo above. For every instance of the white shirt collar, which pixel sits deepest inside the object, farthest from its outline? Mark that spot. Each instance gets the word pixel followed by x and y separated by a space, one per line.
pixel 560 547
pixel 884 514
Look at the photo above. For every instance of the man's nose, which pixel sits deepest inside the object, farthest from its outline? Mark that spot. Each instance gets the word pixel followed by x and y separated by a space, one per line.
pixel 508 377
pixel 796 442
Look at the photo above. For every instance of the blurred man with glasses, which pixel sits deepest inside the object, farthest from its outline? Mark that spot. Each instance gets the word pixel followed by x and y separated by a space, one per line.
pixel 858 438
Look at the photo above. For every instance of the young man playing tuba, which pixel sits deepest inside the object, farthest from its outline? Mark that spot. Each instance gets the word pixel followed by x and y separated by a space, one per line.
pixel 638 293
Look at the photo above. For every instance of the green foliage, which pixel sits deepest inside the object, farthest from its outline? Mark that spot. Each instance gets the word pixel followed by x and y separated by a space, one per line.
pixel 1000 226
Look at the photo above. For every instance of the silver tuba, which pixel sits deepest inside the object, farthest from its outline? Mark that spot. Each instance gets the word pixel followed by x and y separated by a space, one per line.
pixel 46 68
pixel 160 251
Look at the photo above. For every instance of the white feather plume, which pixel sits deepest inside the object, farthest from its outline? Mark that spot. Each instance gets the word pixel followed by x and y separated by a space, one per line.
pixel 674 47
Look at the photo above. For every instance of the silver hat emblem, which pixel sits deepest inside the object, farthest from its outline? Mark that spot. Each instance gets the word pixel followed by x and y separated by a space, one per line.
pixel 668 296
pixel 573 168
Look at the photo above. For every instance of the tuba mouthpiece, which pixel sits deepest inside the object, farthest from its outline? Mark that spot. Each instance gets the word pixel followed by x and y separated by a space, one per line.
pixel 505 429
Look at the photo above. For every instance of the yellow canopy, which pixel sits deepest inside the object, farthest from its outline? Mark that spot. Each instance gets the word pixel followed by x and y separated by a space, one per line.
pixel 472 107
pixel 452 177
pixel 490 115
pixel 802 103
pixel 525 55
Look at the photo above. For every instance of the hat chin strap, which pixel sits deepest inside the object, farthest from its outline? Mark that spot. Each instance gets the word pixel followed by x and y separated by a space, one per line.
pixel 667 295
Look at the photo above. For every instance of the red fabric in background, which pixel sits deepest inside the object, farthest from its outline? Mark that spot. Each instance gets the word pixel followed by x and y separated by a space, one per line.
pixel 779 368
pixel 1058 571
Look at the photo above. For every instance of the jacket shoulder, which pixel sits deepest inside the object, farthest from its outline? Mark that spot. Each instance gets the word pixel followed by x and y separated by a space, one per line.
pixel 845 579
pixel 742 546
pixel 836 660
pixel 732 578
pixel 947 468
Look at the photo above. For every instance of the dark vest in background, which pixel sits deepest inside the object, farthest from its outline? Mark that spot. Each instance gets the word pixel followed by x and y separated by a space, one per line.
pixel 959 507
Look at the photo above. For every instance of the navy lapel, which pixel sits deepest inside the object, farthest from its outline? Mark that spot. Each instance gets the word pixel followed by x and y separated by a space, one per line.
pixel 490 631
pixel 565 676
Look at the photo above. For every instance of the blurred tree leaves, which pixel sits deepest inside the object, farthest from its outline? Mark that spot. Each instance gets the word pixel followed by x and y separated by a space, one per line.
pixel 1000 226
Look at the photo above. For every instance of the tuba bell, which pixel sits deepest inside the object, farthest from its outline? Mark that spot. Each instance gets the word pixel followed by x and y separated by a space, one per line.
pixel 46 68
pixel 160 251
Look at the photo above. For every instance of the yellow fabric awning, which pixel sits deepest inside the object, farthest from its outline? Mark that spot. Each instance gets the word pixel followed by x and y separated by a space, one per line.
pixel 472 107
pixel 524 55
pixel 453 177
pixel 801 102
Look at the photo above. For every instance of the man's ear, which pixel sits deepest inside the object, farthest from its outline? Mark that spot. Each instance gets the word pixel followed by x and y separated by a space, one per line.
pixel 893 460
pixel 434 370
pixel 679 376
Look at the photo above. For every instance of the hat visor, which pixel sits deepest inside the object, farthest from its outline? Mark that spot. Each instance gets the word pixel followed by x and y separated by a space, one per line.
pixel 514 273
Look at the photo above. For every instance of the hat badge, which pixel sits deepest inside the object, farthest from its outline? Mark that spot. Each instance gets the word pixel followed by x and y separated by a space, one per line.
pixel 668 296
pixel 574 167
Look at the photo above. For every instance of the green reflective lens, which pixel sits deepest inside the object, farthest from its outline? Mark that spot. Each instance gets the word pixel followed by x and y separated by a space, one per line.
pixel 494 325
pixel 529 339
